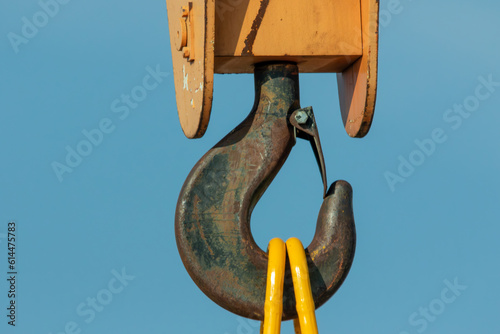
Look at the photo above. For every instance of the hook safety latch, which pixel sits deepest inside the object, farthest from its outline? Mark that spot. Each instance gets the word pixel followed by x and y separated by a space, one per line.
pixel 305 127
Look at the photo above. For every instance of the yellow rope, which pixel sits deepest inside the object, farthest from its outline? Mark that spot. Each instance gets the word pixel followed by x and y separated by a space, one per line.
pixel 302 288
pixel 273 307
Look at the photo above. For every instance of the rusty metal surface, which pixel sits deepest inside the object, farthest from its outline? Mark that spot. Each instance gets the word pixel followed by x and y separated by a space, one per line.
pixel 212 221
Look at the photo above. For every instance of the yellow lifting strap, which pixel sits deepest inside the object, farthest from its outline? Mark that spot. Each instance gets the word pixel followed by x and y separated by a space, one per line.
pixel 302 288
pixel 273 307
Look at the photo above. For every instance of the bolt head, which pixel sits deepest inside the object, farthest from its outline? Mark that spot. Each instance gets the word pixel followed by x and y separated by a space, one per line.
pixel 301 117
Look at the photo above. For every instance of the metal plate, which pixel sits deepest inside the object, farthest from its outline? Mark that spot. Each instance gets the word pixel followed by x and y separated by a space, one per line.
pixel 194 63
pixel 358 83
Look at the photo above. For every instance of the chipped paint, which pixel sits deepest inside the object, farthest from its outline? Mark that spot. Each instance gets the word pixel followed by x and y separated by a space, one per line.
pixel 199 88
pixel 250 39
pixel 185 76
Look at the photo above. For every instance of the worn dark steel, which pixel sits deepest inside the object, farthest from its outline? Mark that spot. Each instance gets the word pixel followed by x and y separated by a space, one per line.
pixel 212 221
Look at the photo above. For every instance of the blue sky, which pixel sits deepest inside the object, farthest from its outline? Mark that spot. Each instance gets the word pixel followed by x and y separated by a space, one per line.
pixel 96 251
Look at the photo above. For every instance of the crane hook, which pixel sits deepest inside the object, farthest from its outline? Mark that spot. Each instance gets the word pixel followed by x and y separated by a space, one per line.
pixel 212 221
